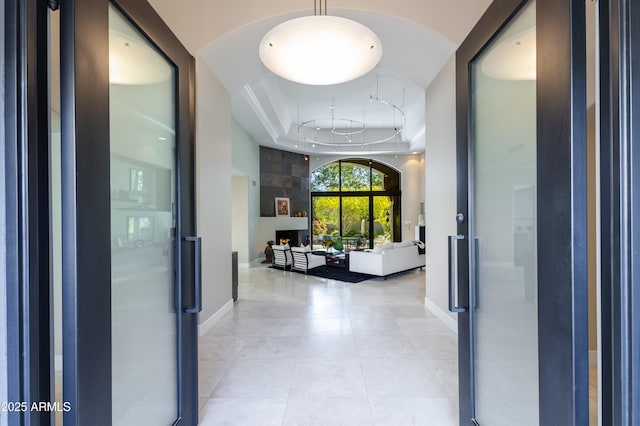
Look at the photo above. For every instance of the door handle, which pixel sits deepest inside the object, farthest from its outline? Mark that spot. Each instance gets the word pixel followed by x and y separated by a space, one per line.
pixel 453 274
pixel 197 274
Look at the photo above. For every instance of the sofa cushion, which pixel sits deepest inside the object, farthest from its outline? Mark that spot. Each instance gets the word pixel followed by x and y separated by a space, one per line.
pixel 382 247
pixel 403 244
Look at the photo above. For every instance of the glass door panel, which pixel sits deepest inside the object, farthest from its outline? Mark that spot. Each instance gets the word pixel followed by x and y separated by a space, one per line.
pixel 503 226
pixel 143 198
pixel 382 220
pixel 355 222
pixel 326 220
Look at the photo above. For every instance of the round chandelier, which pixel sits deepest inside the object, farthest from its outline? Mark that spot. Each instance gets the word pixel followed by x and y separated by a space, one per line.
pixel 337 131
pixel 320 49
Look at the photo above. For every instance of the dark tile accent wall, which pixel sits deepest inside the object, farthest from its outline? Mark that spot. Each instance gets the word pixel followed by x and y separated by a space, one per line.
pixel 283 174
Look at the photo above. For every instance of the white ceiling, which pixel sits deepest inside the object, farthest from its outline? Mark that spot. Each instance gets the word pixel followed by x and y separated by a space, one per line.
pixel 270 108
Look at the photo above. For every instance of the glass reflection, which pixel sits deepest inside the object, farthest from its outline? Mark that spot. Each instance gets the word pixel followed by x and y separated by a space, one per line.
pixel 142 130
pixel 504 201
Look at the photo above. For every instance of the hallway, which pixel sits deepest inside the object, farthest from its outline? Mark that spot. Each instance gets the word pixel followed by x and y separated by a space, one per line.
pixel 311 351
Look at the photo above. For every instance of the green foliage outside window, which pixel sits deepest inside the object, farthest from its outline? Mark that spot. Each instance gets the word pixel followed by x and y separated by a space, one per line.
pixel 355 177
pixel 354 225
pixel 325 179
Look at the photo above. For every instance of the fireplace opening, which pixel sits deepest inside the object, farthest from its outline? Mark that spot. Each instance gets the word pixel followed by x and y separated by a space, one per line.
pixel 293 237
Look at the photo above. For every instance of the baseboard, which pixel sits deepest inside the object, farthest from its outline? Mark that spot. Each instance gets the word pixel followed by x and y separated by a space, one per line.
pixel 244 265
pixel 259 262
pixel 215 318
pixel 441 314
pixel 593 357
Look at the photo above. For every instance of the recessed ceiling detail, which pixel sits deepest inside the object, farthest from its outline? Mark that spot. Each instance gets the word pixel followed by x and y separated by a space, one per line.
pixel 336 131
pixel 266 105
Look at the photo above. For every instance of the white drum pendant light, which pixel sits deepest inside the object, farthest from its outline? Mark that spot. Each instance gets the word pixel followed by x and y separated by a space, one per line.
pixel 320 50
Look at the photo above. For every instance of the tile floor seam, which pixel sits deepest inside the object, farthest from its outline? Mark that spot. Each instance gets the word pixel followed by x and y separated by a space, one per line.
pixel 226 371
pixel 355 342
pixel 362 302
pixel 286 405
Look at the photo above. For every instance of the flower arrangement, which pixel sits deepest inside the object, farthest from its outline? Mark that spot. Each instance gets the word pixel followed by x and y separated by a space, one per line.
pixel 319 228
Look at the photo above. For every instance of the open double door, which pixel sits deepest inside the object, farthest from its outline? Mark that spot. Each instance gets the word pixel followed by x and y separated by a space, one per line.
pixel 518 269
pixel 130 259
pixel 127 207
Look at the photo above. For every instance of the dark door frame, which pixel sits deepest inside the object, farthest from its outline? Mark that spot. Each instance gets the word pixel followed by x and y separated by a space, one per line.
pixel 619 68
pixel 25 206
pixel 561 211
pixel 86 207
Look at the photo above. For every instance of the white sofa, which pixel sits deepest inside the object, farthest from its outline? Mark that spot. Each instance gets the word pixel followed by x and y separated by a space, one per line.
pixel 387 259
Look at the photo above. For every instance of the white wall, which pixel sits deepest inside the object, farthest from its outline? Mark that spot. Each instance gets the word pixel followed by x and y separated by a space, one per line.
pixel 245 160
pixel 240 217
pixel 412 182
pixel 413 175
pixel 440 186
pixel 213 189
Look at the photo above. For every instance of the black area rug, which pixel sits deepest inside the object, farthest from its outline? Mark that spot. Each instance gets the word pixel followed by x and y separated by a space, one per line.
pixel 340 274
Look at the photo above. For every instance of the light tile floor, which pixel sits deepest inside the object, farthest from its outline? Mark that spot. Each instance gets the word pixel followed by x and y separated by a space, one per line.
pixel 312 351
pixel 308 351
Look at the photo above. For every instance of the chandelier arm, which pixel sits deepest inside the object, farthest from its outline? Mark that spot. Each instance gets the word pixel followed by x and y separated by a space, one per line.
pixel 316 140
pixel 323 131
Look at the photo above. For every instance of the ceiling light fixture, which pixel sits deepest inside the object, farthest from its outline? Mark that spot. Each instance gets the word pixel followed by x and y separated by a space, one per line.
pixel 323 131
pixel 320 50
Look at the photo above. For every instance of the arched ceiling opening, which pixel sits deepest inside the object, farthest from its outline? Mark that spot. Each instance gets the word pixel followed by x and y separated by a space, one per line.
pixel 418 37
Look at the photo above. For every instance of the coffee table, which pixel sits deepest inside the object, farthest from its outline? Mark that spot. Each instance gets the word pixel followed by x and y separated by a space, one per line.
pixel 336 259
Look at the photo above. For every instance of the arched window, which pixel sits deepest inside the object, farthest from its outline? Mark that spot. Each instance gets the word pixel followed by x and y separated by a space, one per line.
pixel 355 203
